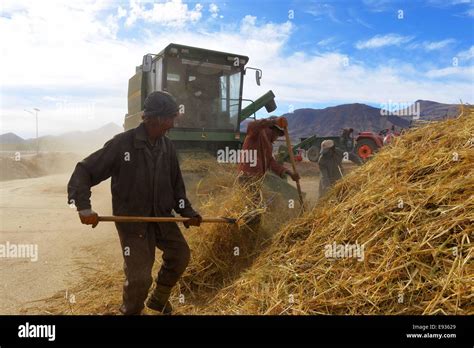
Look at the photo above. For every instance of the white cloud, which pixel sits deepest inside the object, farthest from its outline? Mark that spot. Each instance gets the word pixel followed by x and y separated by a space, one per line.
pixel 378 5
pixel 53 45
pixel 214 10
pixel 447 3
pixel 326 42
pixel 121 12
pixel 250 30
pixel 173 13
pixel 363 23
pixel 431 45
pixel 467 54
pixel 58 51
pixel 383 40
pixel 437 45
pixel 452 72
pixel 321 10
pixel 457 2
pixel 324 78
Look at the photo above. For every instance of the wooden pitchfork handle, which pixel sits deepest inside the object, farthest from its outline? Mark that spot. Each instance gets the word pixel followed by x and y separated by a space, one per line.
pixel 293 164
pixel 163 219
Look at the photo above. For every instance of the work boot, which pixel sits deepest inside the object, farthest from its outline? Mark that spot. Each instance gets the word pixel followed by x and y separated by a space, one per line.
pixel 159 299
pixel 126 311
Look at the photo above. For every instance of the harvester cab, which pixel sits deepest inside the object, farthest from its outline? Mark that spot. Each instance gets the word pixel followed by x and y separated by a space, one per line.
pixel 208 88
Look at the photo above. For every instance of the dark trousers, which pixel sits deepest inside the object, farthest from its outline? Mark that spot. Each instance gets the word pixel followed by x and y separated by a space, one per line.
pixel 139 255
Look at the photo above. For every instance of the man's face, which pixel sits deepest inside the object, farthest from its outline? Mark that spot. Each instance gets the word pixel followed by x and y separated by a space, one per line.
pixel 158 126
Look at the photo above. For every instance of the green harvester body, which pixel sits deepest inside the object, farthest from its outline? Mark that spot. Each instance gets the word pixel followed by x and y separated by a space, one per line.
pixel 207 86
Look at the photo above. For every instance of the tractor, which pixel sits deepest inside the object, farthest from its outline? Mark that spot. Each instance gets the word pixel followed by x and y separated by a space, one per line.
pixel 368 143
pixel 208 88
pixel 312 146
pixel 357 150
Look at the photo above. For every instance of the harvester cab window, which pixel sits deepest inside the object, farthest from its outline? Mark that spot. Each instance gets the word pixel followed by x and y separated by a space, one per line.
pixel 209 93
pixel 173 77
pixel 158 74
pixel 224 93
pixel 234 97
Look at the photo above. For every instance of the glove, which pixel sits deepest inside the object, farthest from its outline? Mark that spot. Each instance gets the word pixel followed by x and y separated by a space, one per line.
pixel 193 221
pixel 281 122
pixel 89 217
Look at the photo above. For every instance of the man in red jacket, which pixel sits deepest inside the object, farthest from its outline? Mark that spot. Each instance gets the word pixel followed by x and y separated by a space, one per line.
pixel 261 134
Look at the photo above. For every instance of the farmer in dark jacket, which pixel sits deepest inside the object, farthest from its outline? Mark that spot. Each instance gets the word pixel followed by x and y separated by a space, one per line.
pixel 146 181
pixel 330 165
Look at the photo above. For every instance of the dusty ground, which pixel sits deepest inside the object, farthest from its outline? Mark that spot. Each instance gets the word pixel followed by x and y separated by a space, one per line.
pixel 22 165
pixel 34 211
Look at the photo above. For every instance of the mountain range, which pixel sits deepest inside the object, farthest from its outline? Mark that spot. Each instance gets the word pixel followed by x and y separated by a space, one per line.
pixel 301 123
pixel 361 117
pixel 77 141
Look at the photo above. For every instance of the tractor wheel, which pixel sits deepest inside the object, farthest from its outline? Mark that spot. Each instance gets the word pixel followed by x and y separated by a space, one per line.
pixel 365 148
pixel 313 153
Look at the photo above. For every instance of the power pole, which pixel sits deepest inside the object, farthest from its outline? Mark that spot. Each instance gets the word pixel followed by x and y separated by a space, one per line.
pixel 36 115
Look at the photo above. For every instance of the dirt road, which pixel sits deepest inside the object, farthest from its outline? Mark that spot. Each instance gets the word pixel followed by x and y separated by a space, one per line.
pixel 34 211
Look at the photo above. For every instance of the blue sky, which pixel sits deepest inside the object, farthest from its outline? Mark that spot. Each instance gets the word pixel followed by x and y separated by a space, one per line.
pixel 73 59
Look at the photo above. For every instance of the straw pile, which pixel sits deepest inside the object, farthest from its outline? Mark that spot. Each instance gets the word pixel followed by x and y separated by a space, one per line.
pixel 411 208
pixel 198 162
pixel 219 252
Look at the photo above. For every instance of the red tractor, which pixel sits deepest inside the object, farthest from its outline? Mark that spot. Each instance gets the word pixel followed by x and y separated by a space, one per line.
pixel 367 143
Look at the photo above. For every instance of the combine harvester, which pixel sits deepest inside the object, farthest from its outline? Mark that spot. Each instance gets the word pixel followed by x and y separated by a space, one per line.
pixel 208 88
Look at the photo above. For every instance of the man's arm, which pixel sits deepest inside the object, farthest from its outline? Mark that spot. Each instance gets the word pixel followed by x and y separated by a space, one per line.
pixel 89 172
pixel 277 168
pixel 281 170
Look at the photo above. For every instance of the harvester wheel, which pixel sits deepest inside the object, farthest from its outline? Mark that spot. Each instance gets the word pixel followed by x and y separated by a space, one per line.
pixel 313 153
pixel 365 148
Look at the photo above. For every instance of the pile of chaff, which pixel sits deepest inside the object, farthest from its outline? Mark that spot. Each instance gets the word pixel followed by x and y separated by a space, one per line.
pixel 393 237
pixel 219 253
